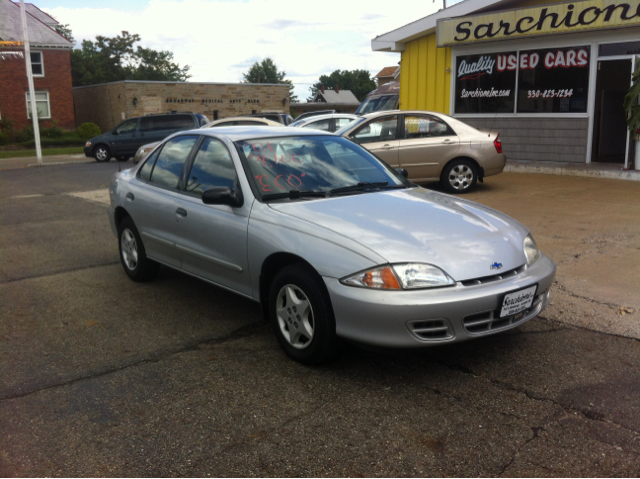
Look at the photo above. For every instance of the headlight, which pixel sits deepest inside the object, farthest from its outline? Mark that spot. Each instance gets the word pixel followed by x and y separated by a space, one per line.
pixel 401 276
pixel 88 143
pixel 530 250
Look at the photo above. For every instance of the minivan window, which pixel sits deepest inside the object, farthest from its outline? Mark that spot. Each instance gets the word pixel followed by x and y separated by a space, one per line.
pixel 128 126
pixel 173 122
pixel 171 160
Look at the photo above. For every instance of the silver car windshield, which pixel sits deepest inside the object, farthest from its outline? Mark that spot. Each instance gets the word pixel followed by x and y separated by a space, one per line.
pixel 320 164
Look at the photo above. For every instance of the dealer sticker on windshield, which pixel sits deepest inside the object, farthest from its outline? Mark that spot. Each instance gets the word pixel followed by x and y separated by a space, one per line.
pixel 518 301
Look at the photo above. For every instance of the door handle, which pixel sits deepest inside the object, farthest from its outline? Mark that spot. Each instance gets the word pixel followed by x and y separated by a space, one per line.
pixel 130 196
pixel 181 212
pixel 387 147
pixel 447 141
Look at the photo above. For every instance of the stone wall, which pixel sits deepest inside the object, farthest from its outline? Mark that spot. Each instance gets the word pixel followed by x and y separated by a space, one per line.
pixel 109 103
pixel 539 139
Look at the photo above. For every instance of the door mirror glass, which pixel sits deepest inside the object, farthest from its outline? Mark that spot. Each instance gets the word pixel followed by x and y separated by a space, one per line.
pixel 403 172
pixel 222 196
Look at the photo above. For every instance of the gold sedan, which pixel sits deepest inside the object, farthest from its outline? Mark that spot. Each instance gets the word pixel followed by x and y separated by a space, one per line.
pixel 144 150
pixel 430 146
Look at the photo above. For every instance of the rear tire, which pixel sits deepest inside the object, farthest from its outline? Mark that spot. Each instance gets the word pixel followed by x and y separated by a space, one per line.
pixel 122 158
pixel 301 315
pixel 132 253
pixel 102 153
pixel 459 176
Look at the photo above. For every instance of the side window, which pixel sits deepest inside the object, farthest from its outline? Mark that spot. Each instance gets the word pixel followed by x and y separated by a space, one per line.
pixel 324 125
pixel 180 122
pixel 382 129
pixel 425 127
pixel 145 171
pixel 171 159
pixel 342 122
pixel 127 127
pixel 146 124
pixel 212 168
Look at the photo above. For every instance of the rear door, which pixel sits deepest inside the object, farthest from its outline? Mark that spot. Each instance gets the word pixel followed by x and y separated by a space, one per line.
pixel 379 136
pixel 426 145
pixel 152 199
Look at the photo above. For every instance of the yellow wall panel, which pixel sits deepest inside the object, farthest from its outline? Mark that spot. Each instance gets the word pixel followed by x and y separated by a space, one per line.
pixel 424 81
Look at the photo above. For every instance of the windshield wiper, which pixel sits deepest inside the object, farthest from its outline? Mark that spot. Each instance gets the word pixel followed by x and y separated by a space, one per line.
pixel 295 194
pixel 359 187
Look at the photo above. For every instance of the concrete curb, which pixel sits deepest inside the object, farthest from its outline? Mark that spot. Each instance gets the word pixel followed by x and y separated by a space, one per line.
pixel 630 175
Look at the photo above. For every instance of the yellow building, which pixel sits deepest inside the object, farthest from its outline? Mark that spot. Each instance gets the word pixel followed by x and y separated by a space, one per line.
pixel 550 77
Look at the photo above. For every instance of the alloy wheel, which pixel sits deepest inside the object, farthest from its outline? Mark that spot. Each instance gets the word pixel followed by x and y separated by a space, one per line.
pixel 295 316
pixel 129 249
pixel 461 177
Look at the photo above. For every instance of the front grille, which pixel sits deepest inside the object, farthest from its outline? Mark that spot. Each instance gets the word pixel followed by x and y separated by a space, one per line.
pixel 432 329
pixel 490 321
pixel 496 277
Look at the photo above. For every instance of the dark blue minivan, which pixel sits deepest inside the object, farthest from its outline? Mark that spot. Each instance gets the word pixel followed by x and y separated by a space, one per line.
pixel 124 140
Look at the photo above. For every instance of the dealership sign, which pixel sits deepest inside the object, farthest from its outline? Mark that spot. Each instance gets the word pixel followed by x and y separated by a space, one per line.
pixel 546 20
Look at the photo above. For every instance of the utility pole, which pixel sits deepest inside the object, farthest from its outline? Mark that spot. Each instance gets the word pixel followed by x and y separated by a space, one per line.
pixel 32 94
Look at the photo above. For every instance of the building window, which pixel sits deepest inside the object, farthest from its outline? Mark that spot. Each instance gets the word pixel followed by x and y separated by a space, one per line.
pixel 42 105
pixel 554 80
pixel 486 83
pixel 37 65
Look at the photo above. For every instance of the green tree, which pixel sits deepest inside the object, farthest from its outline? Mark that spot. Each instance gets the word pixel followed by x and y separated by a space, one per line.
pixel 266 71
pixel 65 31
pixel 115 59
pixel 632 103
pixel 359 82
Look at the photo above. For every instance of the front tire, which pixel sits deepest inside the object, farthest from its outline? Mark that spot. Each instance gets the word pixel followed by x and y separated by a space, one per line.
pixel 102 153
pixel 301 315
pixel 132 253
pixel 459 176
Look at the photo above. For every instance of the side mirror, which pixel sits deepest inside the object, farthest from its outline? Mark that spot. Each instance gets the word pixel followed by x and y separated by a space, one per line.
pixel 223 196
pixel 403 172
pixel 115 132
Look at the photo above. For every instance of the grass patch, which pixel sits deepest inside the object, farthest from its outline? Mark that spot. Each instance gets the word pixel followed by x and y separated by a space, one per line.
pixel 45 152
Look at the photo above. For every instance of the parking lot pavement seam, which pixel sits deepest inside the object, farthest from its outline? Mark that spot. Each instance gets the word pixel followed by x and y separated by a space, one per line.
pixel 534 435
pixel 62 271
pixel 239 333
pixel 561 286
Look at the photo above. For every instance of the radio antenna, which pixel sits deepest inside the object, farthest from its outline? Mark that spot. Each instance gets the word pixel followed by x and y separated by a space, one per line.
pixel 493 123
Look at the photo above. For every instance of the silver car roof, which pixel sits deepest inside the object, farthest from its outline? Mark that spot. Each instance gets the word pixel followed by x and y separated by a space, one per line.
pixel 239 133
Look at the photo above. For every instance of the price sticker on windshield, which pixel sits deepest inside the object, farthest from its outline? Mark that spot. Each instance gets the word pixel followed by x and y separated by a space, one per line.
pixel 518 301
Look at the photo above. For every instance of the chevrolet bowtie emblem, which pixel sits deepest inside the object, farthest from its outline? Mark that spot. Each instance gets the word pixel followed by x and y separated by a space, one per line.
pixel 496 265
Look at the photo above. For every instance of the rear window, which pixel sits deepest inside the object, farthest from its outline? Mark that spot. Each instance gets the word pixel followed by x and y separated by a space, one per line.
pixel 172 122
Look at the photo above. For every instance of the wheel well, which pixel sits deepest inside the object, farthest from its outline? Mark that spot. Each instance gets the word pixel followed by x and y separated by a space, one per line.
pixel 271 266
pixel 120 214
pixel 101 144
pixel 475 163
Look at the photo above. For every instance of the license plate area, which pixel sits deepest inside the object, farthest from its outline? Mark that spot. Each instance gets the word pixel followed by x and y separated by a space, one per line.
pixel 517 301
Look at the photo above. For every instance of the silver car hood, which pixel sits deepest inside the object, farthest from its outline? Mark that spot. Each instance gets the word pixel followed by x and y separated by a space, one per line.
pixel 416 225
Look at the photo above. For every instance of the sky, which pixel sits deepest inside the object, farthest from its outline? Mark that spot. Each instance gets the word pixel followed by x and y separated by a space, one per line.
pixel 221 39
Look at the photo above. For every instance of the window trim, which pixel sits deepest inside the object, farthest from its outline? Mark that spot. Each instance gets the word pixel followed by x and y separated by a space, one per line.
pixel 192 159
pixel 41 63
pixel 26 98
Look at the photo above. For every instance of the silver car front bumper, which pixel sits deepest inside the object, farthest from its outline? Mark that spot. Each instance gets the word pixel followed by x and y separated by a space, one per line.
pixel 422 318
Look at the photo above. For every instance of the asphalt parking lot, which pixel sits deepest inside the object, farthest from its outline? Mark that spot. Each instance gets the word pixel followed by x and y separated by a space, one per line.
pixel 100 376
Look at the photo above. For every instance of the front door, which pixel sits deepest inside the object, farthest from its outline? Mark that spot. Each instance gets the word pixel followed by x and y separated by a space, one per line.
pixel 428 144
pixel 212 239
pixel 125 138
pixel 610 135
pixel 379 136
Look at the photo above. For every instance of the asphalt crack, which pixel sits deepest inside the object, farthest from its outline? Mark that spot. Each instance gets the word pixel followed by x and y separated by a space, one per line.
pixel 239 333
pixel 57 272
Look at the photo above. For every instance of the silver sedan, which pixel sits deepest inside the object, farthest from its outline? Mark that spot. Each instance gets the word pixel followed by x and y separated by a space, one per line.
pixel 332 242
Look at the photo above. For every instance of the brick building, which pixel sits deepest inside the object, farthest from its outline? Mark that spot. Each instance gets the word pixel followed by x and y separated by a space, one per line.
pixel 50 62
pixel 107 104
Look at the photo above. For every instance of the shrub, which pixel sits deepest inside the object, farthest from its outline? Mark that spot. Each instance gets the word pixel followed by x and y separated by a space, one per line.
pixel 25 135
pixel 88 130
pixel 4 139
pixel 52 132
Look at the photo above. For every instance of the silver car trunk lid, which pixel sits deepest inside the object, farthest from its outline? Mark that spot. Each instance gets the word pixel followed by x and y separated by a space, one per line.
pixel 465 239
